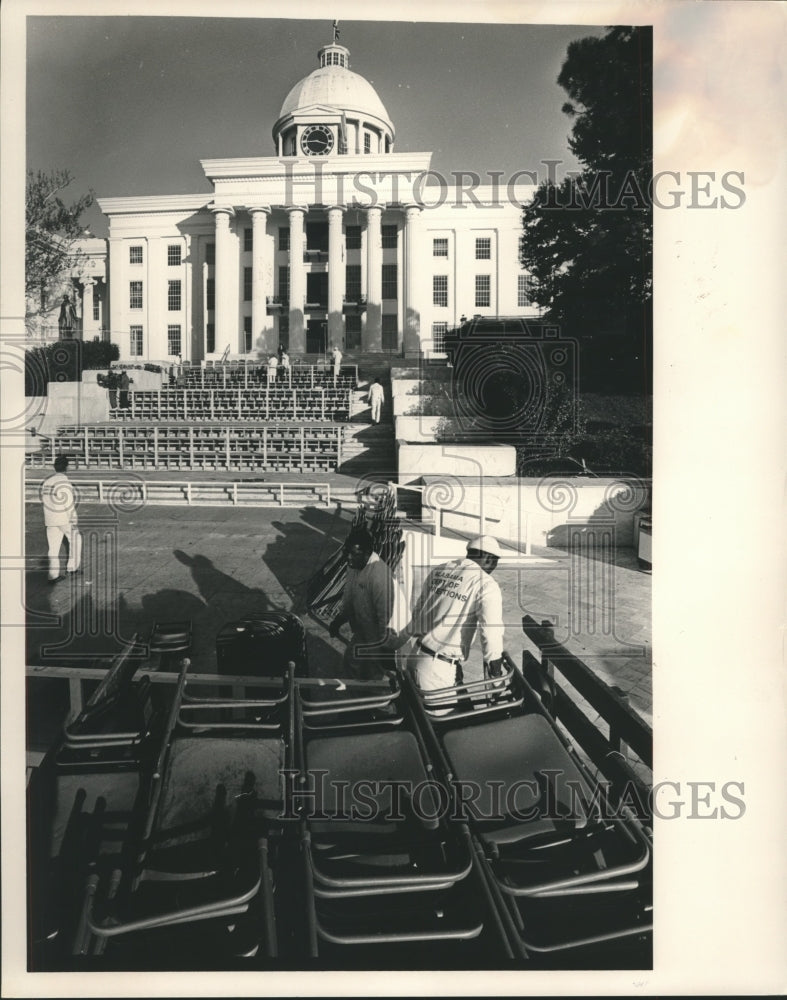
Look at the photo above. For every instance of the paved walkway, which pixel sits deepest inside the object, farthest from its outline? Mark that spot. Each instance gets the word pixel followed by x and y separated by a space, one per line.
pixel 215 564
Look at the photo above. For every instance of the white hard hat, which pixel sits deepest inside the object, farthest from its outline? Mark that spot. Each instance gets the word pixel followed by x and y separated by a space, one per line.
pixel 485 543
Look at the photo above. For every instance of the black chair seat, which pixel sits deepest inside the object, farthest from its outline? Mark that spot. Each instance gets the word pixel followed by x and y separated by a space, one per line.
pixel 529 785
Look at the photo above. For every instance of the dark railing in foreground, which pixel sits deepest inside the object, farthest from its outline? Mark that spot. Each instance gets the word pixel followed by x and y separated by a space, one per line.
pixel 626 728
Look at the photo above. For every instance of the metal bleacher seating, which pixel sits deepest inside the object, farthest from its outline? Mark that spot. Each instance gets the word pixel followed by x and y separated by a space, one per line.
pixel 237 446
pixel 240 403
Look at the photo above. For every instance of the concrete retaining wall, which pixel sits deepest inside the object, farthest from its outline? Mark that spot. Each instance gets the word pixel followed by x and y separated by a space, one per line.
pixel 461 460
pixel 69 403
pixel 549 509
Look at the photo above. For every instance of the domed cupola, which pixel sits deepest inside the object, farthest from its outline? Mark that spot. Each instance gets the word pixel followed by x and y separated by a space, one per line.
pixel 333 111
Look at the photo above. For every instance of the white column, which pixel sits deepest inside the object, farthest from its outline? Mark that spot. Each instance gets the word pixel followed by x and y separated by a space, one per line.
pixel 89 325
pixel 118 295
pixel 336 277
pixel 261 286
pixel 226 304
pixel 297 280
pixel 155 316
pixel 372 336
pixel 412 282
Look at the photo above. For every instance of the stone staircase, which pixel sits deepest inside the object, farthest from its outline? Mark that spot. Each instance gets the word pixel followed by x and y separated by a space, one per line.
pixel 368 449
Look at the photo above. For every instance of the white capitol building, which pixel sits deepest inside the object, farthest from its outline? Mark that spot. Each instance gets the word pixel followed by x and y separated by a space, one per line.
pixel 336 239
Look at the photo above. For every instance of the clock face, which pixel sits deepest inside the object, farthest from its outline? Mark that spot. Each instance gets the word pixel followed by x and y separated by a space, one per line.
pixel 317 140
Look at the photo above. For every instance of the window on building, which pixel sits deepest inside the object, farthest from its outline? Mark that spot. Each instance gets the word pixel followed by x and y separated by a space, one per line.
pixel 353 236
pixel 284 282
pixel 210 338
pixel 439 330
pixel 210 253
pixel 173 339
pixel 174 254
pixel 247 334
pixel 210 294
pixel 390 281
pixel 483 248
pixel 483 293
pixel 284 332
pixel 284 237
pixel 352 332
pixel 353 282
pixel 440 246
pixel 173 296
pixel 135 294
pixel 440 289
pixel 96 307
pixel 135 341
pixel 389 237
pixel 135 255
pixel 525 289
pixel 390 331
pixel 367 143
pixel 248 239
pixel 247 284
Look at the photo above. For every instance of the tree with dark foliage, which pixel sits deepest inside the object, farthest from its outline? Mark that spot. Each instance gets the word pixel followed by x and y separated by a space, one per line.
pixel 52 228
pixel 588 239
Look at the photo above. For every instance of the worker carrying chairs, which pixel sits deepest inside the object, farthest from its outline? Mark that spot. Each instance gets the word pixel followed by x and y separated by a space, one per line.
pixel 568 869
pixel 199 890
pixel 388 874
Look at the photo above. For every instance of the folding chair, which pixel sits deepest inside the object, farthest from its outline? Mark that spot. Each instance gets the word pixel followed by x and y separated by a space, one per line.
pixel 566 868
pixel 204 857
pixel 170 641
pixel 382 865
pixel 84 801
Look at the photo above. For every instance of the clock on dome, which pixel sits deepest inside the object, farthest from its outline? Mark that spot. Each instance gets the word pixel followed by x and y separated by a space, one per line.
pixel 317 140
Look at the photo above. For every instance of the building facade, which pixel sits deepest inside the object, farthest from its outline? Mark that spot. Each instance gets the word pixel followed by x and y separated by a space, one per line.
pixel 335 240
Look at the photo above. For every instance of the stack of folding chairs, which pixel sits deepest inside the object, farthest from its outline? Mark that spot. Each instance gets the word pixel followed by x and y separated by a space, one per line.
pixel 84 803
pixel 386 871
pixel 200 883
pixel 570 870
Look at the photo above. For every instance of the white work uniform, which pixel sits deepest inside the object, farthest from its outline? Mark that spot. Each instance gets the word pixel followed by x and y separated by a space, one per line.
pixel 376 396
pixel 337 364
pixel 456 599
pixel 373 603
pixel 273 364
pixel 285 366
pixel 60 520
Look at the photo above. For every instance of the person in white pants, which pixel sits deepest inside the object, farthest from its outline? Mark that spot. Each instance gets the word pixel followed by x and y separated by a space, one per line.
pixel 457 599
pixel 60 520
pixel 337 363
pixel 376 397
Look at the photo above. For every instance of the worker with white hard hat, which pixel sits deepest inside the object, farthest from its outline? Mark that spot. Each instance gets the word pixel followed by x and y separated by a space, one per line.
pixel 458 599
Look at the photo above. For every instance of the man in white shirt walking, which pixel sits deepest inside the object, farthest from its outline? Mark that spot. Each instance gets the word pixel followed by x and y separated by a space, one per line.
pixel 372 604
pixel 60 520
pixel 273 364
pixel 457 599
pixel 337 363
pixel 376 397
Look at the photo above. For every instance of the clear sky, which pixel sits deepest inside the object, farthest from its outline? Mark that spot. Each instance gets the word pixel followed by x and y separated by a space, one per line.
pixel 131 104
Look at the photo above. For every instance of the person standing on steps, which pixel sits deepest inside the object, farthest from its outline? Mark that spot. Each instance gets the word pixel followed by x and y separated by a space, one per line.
pixel 336 357
pixel 273 364
pixel 376 398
